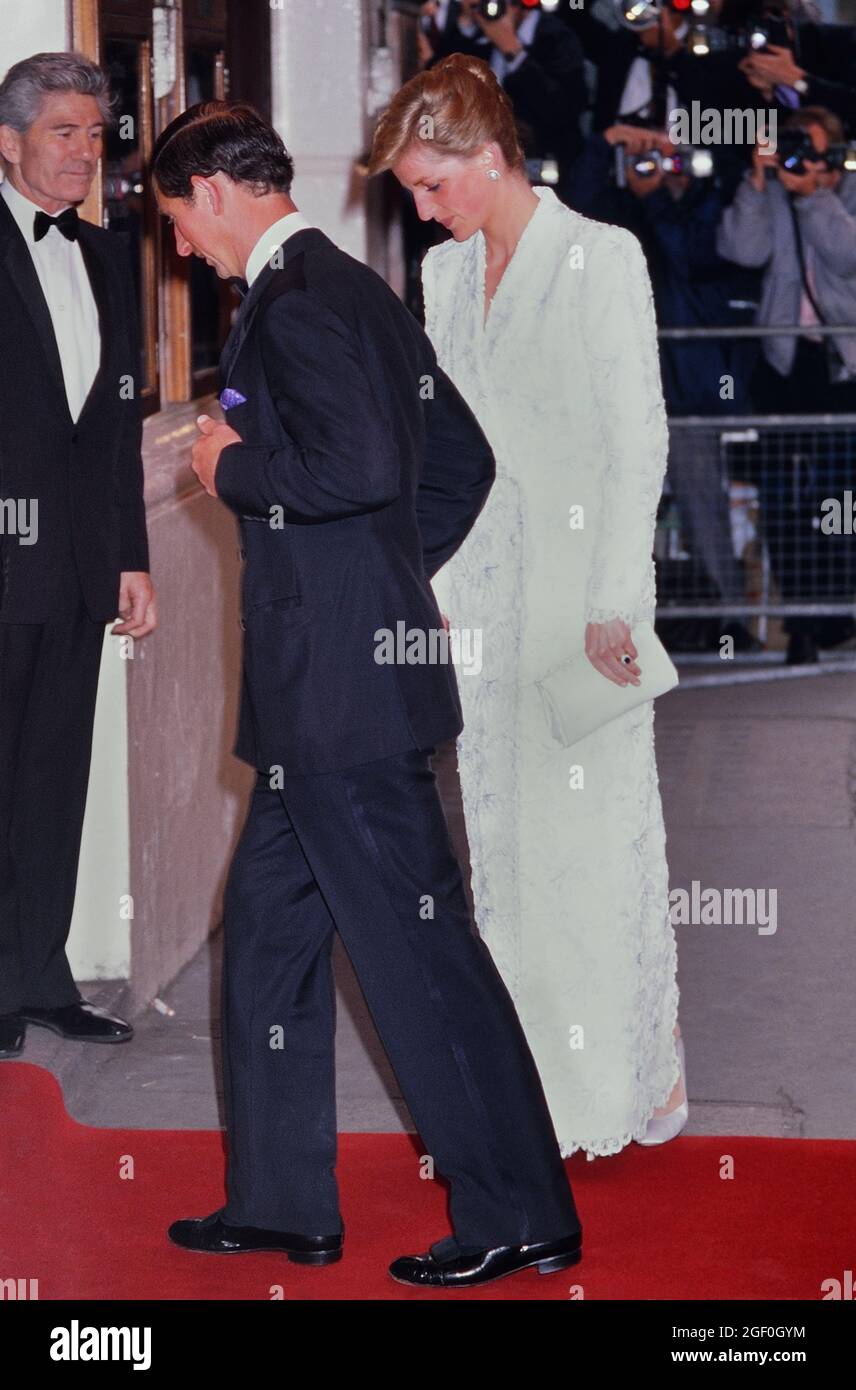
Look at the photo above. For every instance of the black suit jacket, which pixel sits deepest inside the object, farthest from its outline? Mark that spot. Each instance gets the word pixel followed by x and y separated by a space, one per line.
pixel 360 473
pixel 87 476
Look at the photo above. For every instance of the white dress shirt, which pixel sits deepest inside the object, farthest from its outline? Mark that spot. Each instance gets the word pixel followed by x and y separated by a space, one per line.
pixel 270 241
pixel 65 283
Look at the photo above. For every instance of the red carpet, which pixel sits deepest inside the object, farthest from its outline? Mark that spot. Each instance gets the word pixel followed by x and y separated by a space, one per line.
pixel 659 1224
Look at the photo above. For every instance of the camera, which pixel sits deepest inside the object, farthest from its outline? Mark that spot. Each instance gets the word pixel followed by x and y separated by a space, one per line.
pixel 644 14
pixel 705 35
pixel 794 147
pixel 841 157
pixel 683 159
pixel 752 38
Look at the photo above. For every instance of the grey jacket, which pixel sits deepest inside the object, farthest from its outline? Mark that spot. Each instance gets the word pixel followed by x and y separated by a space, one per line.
pixel 756 230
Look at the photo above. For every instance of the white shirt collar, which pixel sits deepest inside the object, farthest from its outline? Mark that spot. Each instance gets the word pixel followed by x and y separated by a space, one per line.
pixel 270 241
pixel 23 210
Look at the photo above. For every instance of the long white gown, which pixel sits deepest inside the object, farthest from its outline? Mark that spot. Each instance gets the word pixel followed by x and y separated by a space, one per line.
pixel 570 882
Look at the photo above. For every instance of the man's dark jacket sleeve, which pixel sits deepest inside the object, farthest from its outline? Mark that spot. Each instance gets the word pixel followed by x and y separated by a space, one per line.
pixel 458 473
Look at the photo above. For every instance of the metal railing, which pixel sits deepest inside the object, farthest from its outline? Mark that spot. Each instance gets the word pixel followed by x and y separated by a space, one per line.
pixel 757 524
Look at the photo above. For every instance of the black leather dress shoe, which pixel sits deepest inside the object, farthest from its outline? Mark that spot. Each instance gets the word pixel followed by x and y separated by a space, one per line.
pixel 82 1022
pixel 453 1271
pixel 211 1236
pixel 13 1030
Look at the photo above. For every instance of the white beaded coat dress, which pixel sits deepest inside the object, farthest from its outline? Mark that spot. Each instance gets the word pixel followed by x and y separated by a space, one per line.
pixel 569 881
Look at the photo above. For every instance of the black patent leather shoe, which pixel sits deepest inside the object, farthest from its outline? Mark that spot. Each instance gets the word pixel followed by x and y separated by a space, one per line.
pixel 81 1022
pixel 13 1030
pixel 210 1235
pixel 438 1269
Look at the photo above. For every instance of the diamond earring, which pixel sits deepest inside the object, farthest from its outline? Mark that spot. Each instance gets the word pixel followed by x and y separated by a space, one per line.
pixel 492 173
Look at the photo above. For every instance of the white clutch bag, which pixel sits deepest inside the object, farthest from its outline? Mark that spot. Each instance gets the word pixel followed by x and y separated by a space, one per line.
pixel 577 699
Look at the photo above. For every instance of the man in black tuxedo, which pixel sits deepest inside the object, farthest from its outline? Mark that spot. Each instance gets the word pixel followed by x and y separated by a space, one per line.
pixel 355 470
pixel 73 547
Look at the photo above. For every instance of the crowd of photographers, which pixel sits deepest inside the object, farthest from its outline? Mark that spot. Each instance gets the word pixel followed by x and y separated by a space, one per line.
pixel 750 220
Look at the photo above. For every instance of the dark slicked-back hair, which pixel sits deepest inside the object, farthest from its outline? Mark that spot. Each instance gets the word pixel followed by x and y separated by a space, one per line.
pixel 221 136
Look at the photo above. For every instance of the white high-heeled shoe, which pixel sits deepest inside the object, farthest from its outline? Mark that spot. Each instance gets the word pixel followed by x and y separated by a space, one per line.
pixel 662 1128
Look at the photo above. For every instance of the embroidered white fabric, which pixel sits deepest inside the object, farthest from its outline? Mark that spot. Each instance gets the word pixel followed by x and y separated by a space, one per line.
pixel 570 883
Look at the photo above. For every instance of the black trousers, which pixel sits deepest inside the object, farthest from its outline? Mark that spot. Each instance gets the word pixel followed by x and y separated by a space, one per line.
pixel 366 852
pixel 48 684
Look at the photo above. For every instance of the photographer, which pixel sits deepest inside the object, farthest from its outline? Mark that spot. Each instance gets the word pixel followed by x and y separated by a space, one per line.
pixel 644 71
pixel 675 216
pixel 537 60
pixel 817 67
pixel 799 224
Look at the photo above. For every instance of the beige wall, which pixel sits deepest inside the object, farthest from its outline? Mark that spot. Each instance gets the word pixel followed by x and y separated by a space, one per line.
pixel 187 794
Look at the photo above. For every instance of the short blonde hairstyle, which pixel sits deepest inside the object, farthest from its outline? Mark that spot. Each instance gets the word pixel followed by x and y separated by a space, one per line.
pixel 460 103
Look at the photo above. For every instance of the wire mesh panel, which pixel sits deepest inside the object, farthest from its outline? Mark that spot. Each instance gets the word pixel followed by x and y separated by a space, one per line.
pixel 757 517
pixel 758 523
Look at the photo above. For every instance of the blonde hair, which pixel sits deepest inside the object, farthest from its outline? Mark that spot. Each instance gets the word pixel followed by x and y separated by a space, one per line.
pixel 452 108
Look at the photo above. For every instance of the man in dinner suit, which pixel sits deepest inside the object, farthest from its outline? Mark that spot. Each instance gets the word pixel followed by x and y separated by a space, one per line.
pixel 73 548
pixel 356 470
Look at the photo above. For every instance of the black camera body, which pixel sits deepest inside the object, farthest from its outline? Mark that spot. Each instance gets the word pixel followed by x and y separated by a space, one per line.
pixel 683 159
pixel 794 147
pixel 753 37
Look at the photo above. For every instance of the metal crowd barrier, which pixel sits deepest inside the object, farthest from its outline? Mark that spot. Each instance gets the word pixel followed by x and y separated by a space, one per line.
pixel 757 524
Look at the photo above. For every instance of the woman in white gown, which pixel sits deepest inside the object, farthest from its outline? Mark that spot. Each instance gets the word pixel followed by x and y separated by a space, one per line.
pixel 544 321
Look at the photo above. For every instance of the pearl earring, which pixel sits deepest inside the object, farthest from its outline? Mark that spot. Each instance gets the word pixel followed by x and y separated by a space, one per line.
pixel 492 173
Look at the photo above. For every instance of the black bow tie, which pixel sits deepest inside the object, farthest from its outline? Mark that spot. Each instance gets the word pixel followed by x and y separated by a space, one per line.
pixel 68 223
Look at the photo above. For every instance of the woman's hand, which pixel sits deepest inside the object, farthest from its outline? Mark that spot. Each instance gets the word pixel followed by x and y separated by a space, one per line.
pixel 606 643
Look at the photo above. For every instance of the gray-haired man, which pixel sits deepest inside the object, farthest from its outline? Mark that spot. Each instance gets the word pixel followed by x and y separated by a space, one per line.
pixel 73 546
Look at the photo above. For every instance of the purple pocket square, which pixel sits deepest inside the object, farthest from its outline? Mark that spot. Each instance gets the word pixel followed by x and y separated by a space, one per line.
pixel 230 398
